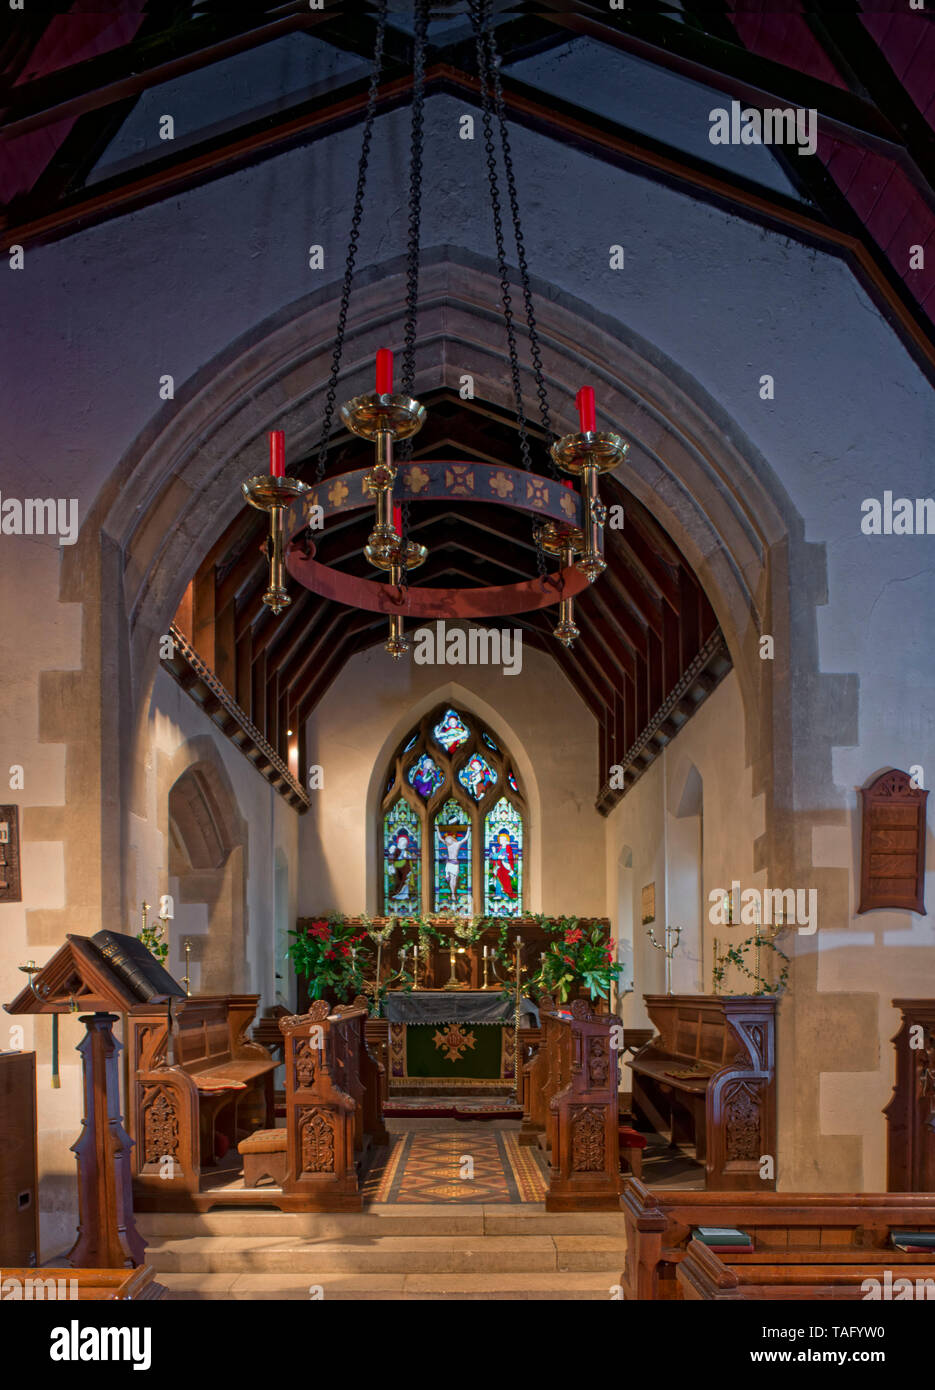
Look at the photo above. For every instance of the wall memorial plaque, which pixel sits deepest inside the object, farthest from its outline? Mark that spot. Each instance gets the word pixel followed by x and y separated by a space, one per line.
pixel 10 886
pixel 892 847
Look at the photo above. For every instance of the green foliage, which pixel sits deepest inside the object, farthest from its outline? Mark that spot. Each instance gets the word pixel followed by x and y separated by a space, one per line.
pixel 153 939
pixel 736 956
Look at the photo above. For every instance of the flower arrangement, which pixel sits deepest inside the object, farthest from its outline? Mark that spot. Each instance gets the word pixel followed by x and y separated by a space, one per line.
pixel 330 955
pixel 578 957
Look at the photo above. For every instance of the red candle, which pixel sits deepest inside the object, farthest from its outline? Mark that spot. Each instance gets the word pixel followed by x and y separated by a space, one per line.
pixel 586 413
pixel 384 372
pixel 398 519
pixel 277 453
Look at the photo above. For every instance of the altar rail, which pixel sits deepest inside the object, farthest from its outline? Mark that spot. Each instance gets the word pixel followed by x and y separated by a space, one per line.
pixel 570 1106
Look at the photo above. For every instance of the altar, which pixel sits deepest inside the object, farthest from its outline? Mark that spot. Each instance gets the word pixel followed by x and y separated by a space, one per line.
pixel 446 1038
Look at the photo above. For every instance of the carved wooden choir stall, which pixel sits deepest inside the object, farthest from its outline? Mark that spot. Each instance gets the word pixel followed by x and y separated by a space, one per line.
pixel 910 1113
pixel 334 1114
pixel 199 1086
pixel 570 1106
pixel 708 1078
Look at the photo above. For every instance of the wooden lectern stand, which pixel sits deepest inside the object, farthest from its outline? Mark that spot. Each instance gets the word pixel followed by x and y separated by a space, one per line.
pixel 78 977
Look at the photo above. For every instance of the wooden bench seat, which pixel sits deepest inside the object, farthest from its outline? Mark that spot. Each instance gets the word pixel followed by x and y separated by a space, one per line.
pixel 706 1274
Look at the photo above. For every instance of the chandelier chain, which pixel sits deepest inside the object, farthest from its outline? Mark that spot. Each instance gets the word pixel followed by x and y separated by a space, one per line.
pixel 487 60
pixel 480 18
pixel 534 345
pixel 352 242
pixel 415 227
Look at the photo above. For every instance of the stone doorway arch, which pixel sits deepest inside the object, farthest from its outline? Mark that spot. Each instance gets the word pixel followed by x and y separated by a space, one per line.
pixel 207 842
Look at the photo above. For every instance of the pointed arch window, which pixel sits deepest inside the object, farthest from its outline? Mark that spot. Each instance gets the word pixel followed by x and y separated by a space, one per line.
pixel 452 822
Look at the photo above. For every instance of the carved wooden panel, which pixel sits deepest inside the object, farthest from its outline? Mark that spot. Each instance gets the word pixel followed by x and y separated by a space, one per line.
pixel 11 889
pixel 892 854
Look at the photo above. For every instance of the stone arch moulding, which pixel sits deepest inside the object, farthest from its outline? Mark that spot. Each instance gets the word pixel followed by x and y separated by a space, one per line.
pixel 690 464
pixel 207 851
pixel 460 697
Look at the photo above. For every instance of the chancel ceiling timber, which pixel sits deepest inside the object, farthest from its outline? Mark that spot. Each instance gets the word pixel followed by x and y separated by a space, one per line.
pixel 73 84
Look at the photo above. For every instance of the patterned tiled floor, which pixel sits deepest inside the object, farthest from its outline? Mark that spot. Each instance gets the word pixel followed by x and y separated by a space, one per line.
pixel 476 1166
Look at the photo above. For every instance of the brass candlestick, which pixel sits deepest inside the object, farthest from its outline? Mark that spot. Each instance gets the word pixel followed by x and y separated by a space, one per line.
pixel 563 541
pixel 587 456
pixel 186 978
pixel 271 494
pixel 668 947
pixel 384 419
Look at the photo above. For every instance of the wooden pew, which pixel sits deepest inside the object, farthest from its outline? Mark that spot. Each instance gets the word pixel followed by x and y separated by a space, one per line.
pixel 205 1076
pixel 811 1228
pixel 726 1106
pixel 706 1274
pixel 581 1127
pixel 82 1285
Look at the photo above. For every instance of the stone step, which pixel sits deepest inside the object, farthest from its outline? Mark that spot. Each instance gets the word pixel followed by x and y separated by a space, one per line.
pixel 381 1254
pixel 592 1286
pixel 386 1219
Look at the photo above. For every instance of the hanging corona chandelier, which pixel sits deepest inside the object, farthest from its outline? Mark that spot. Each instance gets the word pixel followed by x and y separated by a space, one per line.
pixel 567 527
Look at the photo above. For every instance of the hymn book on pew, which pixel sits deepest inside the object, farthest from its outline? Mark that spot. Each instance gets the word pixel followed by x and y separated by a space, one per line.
pixel 919 1241
pixel 723 1239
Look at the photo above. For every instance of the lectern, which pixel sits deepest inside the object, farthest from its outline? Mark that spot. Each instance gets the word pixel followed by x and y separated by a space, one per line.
pixel 81 978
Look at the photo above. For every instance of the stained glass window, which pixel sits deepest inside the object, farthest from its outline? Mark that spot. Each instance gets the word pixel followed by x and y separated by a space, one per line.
pixel 459 858
pixel 402 860
pixel 451 731
pixel 453 860
pixel 503 861
pixel 426 776
pixel 477 775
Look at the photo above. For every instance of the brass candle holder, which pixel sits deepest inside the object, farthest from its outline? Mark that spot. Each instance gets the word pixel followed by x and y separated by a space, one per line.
pixel 586 456
pixel 186 979
pixel 384 419
pixel 453 982
pixel 273 495
pixel 565 542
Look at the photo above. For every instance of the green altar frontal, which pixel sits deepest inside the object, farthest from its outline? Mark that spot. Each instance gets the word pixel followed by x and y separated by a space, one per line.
pixel 451 1054
pixel 453 1040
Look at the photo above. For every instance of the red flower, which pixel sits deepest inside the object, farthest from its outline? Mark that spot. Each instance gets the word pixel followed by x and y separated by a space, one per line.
pixel 345 949
pixel 571 937
pixel 330 955
pixel 568 959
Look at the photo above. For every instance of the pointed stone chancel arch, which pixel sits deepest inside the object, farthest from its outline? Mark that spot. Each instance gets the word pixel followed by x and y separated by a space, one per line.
pixel 689 464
